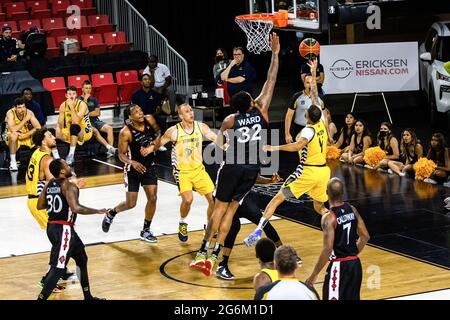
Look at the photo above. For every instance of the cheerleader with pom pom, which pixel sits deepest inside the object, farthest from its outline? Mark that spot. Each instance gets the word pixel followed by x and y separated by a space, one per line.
pixel 410 151
pixel 359 143
pixel 389 143
pixel 441 156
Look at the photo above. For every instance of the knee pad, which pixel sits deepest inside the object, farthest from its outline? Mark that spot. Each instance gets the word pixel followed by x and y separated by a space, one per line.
pixel 75 129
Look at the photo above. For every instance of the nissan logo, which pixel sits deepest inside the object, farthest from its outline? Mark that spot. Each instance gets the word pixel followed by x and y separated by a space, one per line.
pixel 341 69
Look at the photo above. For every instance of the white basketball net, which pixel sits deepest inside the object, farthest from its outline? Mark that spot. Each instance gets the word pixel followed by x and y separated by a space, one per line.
pixel 257 32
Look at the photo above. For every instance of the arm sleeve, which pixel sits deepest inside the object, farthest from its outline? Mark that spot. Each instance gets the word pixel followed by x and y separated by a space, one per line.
pixel 166 71
pixel 307 133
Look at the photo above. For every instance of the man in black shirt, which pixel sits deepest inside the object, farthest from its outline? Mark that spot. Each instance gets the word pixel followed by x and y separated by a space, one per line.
pixel 8 46
pixel 137 141
pixel 60 199
pixel 344 237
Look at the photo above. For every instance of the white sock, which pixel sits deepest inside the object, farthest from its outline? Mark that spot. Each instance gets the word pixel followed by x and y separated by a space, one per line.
pixel 262 223
pixel 55 153
pixel 71 151
pixel 13 158
pixel 109 147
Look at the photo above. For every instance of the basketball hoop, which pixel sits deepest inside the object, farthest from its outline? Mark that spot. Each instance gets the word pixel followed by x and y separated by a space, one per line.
pixel 257 27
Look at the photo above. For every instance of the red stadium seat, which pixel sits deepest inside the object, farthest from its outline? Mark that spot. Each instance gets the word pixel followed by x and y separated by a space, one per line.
pixel 105 89
pixel 93 43
pixel 57 88
pixel 128 83
pixel 25 25
pixel 53 49
pixel 16 11
pixel 79 25
pixel 77 81
pixel 54 26
pixel 59 8
pixel 39 9
pixel 100 24
pixel 87 7
pixel 116 41
pixel 2 14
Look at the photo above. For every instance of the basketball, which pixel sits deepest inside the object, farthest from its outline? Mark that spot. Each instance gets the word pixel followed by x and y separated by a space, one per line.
pixel 309 48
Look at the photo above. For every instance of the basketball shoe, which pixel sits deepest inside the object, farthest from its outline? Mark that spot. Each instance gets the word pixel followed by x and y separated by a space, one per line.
pixel 107 221
pixel 147 235
pixel 209 265
pixel 199 261
pixel 253 238
pixel 224 273
pixel 182 232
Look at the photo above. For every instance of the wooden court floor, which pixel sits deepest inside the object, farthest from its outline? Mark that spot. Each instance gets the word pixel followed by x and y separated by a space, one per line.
pixel 138 270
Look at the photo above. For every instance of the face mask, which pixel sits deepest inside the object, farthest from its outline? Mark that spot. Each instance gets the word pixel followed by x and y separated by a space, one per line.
pixel 219 58
pixel 383 134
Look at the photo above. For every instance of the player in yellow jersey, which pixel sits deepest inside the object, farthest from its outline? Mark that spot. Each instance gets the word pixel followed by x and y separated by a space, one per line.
pixel 187 161
pixel 265 249
pixel 73 124
pixel 21 124
pixel 312 174
pixel 38 173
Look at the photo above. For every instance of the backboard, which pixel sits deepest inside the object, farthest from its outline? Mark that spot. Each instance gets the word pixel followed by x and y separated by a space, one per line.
pixel 304 15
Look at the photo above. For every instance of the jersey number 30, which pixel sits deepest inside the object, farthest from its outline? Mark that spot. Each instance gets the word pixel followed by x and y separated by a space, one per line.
pixel 54 203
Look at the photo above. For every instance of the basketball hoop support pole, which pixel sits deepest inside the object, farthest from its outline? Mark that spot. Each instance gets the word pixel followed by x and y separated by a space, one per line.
pixel 372 94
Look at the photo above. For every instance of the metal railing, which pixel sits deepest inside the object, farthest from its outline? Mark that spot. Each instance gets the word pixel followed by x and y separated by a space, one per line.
pixel 146 38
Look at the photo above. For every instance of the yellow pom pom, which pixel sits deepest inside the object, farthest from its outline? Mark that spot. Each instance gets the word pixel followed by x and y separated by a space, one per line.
pixel 373 156
pixel 424 168
pixel 333 152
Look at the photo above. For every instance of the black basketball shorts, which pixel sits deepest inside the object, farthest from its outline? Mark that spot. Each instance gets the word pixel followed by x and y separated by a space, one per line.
pixel 65 244
pixel 235 181
pixel 133 179
pixel 343 280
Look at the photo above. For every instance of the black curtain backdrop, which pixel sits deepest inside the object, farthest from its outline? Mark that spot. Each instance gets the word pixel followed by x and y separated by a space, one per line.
pixel 196 28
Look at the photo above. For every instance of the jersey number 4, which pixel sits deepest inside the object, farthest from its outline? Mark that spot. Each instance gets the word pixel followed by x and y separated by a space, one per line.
pixel 245 134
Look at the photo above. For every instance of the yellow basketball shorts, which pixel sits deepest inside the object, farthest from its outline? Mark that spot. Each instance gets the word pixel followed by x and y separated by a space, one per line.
pixel 197 179
pixel 313 180
pixel 41 216
pixel 24 142
pixel 86 137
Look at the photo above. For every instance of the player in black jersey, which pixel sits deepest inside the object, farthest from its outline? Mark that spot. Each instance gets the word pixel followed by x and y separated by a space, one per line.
pixel 137 141
pixel 60 199
pixel 345 236
pixel 238 173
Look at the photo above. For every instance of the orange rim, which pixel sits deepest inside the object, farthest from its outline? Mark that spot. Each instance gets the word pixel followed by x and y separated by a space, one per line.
pixel 279 19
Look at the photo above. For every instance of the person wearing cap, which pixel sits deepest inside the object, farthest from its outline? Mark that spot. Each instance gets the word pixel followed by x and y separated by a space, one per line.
pixel 8 46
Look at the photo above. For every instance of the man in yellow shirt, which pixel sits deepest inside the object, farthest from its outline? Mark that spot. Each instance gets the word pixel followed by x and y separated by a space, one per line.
pixel 21 124
pixel 187 161
pixel 73 124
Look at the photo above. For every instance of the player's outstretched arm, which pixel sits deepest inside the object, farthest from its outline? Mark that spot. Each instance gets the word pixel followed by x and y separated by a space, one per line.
pixel 72 193
pixel 328 222
pixel 291 147
pixel 265 97
pixel 361 231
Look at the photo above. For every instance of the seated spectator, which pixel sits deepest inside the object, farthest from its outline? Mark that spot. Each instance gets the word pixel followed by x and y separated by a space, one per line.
pixel 265 249
pixel 410 151
pixel 332 130
pixel 97 124
pixel 21 124
pixel 346 133
pixel 162 81
pixel 440 154
pixel 306 71
pixel 359 143
pixel 240 74
pixel 149 99
pixel 288 287
pixel 389 143
pixel 8 46
pixel 33 105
